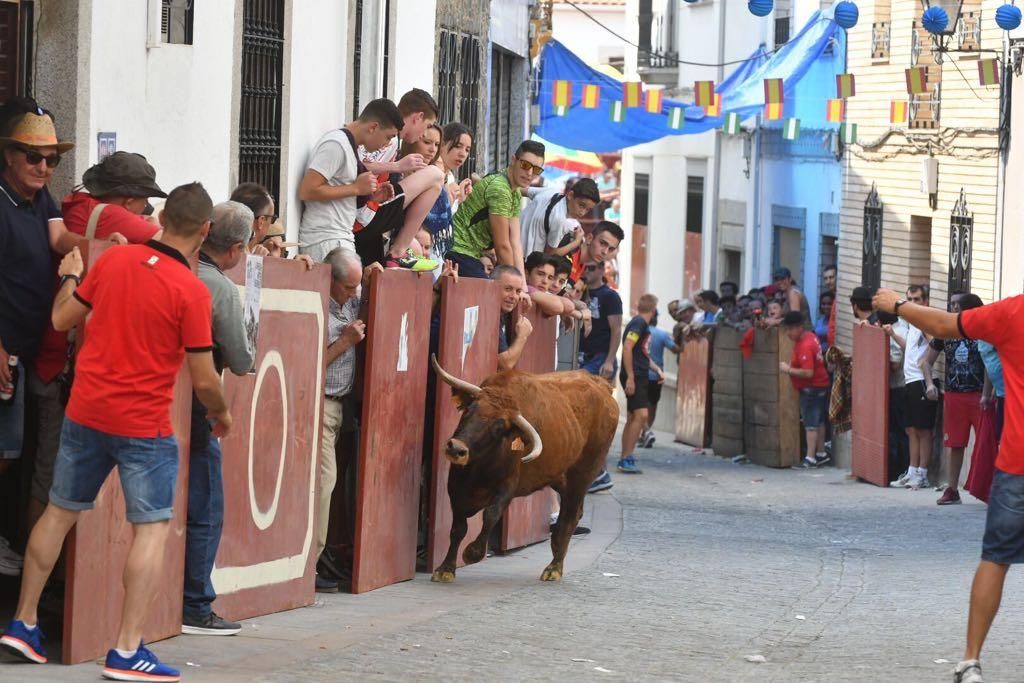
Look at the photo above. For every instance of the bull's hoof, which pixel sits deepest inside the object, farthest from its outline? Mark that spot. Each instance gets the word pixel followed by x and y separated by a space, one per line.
pixel 441 576
pixel 551 574
pixel 473 553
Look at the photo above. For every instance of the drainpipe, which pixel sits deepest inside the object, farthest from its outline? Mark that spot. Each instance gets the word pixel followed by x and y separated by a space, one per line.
pixel 712 270
pixel 755 242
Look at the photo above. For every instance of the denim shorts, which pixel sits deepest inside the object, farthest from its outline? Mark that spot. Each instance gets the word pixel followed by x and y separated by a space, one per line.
pixel 148 469
pixel 1004 525
pixel 813 406
pixel 592 364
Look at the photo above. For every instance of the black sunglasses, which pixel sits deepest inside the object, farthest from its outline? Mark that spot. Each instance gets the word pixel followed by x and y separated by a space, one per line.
pixel 34 158
pixel 591 266
pixel 272 217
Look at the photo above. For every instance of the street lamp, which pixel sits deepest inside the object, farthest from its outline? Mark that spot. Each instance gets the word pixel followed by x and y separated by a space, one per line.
pixel 953 10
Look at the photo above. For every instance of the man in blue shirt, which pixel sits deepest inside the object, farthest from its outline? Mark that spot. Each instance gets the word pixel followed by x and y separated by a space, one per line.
pixel 660 340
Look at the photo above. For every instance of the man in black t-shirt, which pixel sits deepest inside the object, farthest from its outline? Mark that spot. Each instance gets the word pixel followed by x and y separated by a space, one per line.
pixel 636 362
pixel 598 349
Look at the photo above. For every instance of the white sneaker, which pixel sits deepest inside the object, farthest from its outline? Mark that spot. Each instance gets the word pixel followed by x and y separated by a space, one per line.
pixel 968 671
pixel 901 481
pixel 8 554
pixel 918 483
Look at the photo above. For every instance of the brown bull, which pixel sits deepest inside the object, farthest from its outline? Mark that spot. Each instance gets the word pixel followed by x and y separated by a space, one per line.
pixel 564 422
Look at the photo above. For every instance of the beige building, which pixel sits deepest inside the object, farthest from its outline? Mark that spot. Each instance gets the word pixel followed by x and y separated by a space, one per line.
pixel 921 199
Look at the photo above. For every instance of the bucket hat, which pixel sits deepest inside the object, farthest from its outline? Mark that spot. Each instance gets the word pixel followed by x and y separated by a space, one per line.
pixel 122 174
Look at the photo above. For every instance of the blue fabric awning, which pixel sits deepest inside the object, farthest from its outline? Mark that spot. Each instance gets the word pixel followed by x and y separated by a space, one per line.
pixel 742 92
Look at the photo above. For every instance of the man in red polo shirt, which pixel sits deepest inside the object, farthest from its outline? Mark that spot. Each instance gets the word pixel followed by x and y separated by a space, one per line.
pixel 1002 325
pixel 119 414
pixel 806 369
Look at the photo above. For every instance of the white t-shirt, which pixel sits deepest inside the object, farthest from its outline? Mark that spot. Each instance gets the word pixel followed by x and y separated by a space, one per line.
pixel 532 220
pixel 330 220
pixel 383 155
pixel 917 347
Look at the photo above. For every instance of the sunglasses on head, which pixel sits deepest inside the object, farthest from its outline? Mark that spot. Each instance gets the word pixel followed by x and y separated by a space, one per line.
pixel 527 166
pixel 33 157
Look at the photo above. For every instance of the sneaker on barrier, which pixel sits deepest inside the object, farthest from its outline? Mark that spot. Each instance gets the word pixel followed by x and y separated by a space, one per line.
pixel 142 666
pixel 602 483
pixel 24 642
pixel 411 262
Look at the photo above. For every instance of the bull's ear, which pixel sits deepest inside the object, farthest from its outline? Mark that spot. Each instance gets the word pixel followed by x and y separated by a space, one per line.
pixel 461 399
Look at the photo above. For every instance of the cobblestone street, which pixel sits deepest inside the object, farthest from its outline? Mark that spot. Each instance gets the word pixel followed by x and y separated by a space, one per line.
pixel 691 567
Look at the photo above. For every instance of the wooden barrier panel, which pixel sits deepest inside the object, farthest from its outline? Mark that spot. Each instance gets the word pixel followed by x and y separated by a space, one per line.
pixel 265 562
pixel 871 404
pixel 727 393
pixel 391 443
pixel 772 407
pixel 527 520
pixel 468 348
pixel 693 393
pixel 98 548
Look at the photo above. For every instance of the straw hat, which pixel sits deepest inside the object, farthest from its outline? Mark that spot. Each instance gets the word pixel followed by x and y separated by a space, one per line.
pixel 276 229
pixel 35 130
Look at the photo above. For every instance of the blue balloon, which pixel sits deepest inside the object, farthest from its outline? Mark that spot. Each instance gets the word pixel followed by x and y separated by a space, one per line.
pixel 760 8
pixel 935 20
pixel 1008 17
pixel 846 14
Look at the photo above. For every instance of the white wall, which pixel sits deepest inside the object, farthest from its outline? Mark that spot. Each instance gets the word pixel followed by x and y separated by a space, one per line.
pixel 586 39
pixel 414 31
pixel 171 103
pixel 317 96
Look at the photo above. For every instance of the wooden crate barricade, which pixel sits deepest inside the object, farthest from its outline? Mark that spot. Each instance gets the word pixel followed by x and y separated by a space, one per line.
pixel 771 404
pixel 727 393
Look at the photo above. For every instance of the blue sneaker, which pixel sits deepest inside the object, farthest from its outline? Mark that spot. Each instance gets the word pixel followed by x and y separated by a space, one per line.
pixel 23 642
pixel 602 483
pixel 144 666
pixel 629 466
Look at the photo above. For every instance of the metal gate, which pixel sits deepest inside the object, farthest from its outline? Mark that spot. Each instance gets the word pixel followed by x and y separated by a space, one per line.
pixel 961 229
pixel 871 257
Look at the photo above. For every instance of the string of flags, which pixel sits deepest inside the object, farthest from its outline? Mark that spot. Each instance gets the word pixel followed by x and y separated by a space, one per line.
pixel 635 96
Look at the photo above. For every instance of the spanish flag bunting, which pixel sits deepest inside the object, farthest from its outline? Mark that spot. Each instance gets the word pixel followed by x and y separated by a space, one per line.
pixel 773 111
pixel 732 123
pixel 591 96
pixel 791 129
pixel 560 110
pixel 917 80
pixel 716 108
pixel 704 93
pixel 835 111
pixel 561 94
pixel 653 102
pixel 676 118
pixel 773 91
pixel 898 111
pixel 618 113
pixel 846 86
pixel 988 71
pixel 848 133
pixel 631 91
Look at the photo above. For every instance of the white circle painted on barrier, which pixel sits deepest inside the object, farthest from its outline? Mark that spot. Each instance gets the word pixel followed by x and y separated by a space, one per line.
pixel 264 518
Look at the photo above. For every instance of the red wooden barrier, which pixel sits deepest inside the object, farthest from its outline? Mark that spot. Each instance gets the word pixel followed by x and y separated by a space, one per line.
pixel 527 520
pixel 271 457
pixel 468 348
pixel 98 547
pixel 693 393
pixel 390 452
pixel 871 404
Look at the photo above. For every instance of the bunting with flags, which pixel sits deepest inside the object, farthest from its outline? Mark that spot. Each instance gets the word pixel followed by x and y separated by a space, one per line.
pixel 591 96
pixel 988 71
pixel 835 111
pixel 791 129
pixel 848 133
pixel 617 112
pixel 714 109
pixel 631 93
pixel 676 118
pixel 773 91
pixel 704 93
pixel 773 111
pixel 917 80
pixel 846 86
pixel 652 105
pixel 898 110
pixel 732 124
pixel 560 110
pixel 561 94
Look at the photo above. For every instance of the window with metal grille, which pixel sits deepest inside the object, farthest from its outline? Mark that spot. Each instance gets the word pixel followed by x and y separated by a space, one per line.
pixel 871 256
pixel 961 229
pixel 259 130
pixel 458 85
pixel 470 54
pixel 176 19
pixel 782 30
pixel 501 109
pixel 694 204
pixel 881 31
pixel 925 107
pixel 357 56
pixel 641 197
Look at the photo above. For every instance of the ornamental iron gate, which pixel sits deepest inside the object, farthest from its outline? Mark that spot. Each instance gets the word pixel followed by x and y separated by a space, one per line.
pixel 871 257
pixel 961 229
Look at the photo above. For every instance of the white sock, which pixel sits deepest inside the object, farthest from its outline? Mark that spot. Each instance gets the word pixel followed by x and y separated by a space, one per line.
pixel 29 627
pixel 127 654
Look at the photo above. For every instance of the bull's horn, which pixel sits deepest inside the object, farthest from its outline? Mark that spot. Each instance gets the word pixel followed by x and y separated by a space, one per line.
pixel 454 382
pixel 532 434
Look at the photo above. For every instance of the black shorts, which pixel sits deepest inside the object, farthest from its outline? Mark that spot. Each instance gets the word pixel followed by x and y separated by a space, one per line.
pixel 389 218
pixel 638 401
pixel 653 391
pixel 920 412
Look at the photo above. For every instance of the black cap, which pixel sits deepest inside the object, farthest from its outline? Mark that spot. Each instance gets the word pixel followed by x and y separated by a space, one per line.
pixel 781 273
pixel 793 319
pixel 122 174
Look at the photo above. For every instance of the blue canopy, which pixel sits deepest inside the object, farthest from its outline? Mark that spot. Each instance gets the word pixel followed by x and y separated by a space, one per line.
pixel 742 92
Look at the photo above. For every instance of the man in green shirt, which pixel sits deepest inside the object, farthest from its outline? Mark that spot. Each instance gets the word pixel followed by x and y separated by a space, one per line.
pixel 489 216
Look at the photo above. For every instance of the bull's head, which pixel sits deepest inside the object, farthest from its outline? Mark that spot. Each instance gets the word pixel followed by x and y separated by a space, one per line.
pixel 479 431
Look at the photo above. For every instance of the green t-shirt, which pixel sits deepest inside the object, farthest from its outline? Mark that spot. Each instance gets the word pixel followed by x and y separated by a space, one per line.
pixel 499 197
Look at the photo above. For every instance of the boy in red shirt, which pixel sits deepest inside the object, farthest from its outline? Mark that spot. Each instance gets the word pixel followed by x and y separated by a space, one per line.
pixel 806 369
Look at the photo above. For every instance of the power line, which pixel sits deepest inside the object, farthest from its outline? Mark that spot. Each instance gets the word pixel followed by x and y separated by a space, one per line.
pixel 669 58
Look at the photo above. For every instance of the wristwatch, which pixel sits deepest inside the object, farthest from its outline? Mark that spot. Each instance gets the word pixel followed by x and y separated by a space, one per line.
pixel 899 303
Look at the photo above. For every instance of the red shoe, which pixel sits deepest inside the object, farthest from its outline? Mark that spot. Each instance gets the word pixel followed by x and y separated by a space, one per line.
pixel 949 497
